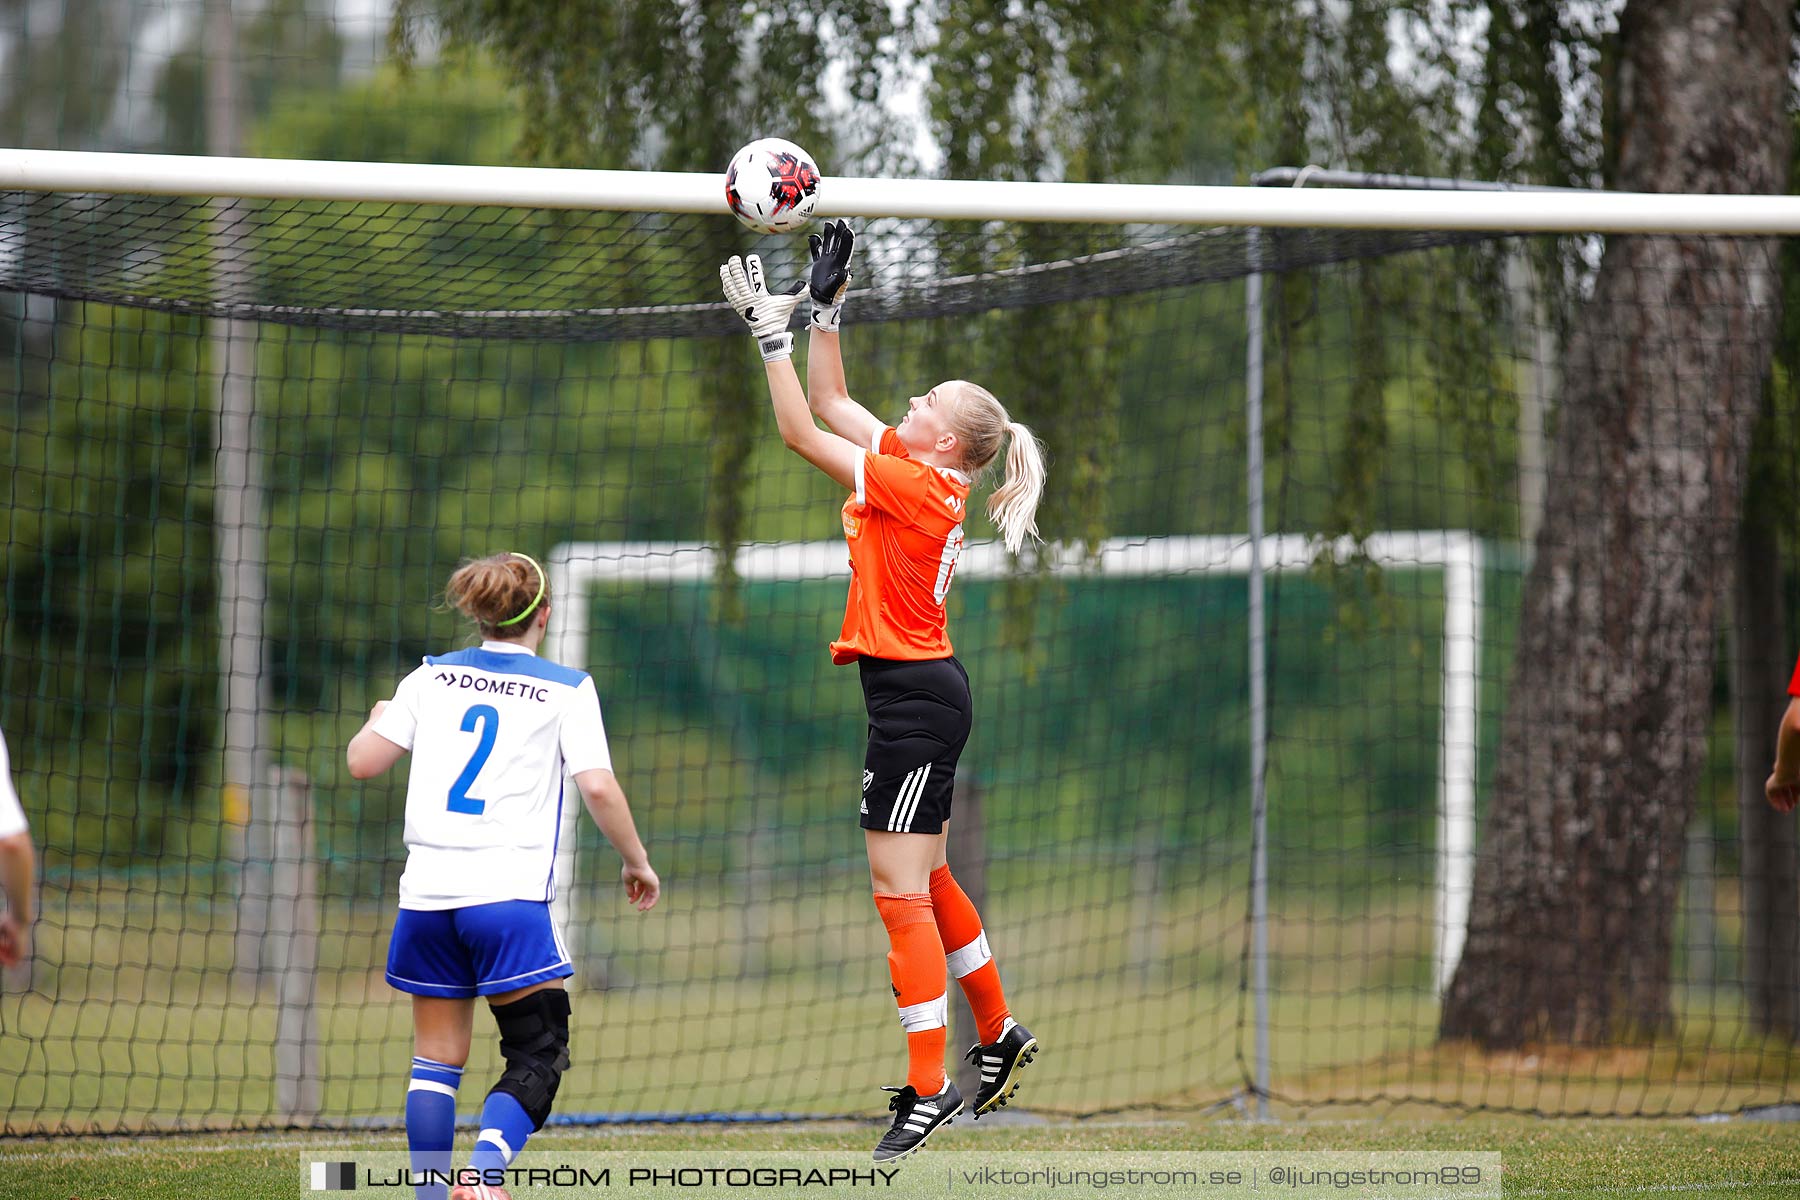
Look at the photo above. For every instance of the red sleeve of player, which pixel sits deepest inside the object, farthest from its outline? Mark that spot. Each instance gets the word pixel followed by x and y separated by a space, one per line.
pixel 1794 683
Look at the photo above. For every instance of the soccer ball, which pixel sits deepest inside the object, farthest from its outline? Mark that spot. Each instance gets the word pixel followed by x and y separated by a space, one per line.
pixel 772 186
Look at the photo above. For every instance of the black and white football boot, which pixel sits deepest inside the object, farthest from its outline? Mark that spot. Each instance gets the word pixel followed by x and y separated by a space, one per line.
pixel 916 1118
pixel 1000 1064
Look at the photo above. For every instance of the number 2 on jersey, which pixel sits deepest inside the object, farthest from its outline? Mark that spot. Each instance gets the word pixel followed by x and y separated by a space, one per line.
pixel 486 716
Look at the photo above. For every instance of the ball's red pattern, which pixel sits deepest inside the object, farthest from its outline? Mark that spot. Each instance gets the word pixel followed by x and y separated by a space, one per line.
pixel 795 179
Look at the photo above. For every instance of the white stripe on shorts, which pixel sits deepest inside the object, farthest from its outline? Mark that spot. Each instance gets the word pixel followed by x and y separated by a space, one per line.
pixel 901 795
pixel 906 804
pixel 918 795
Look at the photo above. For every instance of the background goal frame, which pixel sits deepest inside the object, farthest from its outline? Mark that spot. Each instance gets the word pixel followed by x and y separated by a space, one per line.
pixel 575 567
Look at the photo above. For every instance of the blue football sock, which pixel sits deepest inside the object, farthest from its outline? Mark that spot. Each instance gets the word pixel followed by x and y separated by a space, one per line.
pixel 504 1128
pixel 431 1120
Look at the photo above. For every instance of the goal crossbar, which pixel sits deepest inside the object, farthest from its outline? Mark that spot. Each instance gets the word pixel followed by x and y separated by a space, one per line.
pixel 1569 211
pixel 576 568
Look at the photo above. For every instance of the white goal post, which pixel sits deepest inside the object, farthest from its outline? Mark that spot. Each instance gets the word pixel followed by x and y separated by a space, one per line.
pixel 577 567
pixel 1563 211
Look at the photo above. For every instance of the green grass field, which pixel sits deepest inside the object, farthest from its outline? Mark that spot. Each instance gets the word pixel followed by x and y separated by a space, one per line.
pixel 134 1024
pixel 1742 1159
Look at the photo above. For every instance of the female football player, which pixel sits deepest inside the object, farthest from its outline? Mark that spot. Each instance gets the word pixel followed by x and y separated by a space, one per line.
pixel 904 522
pixel 493 731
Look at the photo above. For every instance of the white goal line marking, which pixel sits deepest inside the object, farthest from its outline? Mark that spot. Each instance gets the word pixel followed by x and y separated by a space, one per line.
pixel 1649 1188
pixel 60 1148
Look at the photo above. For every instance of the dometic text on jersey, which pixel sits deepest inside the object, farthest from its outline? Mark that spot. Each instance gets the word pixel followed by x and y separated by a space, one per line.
pixel 500 687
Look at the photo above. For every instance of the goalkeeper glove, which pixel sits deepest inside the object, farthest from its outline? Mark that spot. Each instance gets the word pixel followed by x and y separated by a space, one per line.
pixel 766 313
pixel 830 274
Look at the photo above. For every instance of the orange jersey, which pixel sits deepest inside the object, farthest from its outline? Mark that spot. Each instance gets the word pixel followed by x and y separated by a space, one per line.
pixel 905 528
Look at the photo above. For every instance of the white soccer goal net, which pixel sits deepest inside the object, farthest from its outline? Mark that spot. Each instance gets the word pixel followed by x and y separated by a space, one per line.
pixel 1240 730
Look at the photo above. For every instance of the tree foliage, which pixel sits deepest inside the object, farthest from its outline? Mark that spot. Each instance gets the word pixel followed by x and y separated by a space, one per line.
pixel 655 86
pixel 1081 90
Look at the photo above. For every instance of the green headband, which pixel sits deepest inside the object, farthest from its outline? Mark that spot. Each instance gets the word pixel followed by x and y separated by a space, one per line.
pixel 542 584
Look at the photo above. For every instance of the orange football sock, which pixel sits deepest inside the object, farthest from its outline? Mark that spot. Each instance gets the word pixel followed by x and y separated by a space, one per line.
pixel 969 959
pixel 916 964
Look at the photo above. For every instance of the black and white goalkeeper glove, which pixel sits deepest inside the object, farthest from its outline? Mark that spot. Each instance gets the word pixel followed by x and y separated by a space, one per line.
pixel 766 313
pixel 830 274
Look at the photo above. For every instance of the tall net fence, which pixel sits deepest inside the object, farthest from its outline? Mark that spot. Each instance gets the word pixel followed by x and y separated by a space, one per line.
pixel 431 383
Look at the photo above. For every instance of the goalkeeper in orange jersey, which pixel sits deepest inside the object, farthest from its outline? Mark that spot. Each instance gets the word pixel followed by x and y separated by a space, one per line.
pixel 909 486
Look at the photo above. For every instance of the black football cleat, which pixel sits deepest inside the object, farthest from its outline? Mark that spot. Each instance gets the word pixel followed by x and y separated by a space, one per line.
pixel 1000 1064
pixel 916 1118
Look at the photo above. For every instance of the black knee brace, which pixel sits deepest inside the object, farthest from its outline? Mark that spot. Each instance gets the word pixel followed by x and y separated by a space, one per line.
pixel 534 1041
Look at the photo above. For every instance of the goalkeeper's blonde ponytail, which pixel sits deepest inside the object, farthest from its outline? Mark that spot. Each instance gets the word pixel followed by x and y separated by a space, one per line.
pixel 1013 506
pixel 979 422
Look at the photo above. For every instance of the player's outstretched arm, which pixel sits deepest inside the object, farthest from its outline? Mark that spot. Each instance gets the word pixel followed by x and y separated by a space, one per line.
pixel 1783 786
pixel 767 315
pixel 370 754
pixel 606 803
pixel 18 866
pixel 826 389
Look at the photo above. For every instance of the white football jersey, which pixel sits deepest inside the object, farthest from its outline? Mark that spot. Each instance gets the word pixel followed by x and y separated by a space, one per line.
pixel 12 813
pixel 492 733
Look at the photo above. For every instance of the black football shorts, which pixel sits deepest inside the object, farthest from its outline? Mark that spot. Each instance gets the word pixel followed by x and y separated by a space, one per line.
pixel 919 715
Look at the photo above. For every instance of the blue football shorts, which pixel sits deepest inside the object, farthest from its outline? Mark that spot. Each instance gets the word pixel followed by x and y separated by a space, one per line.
pixel 476 951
